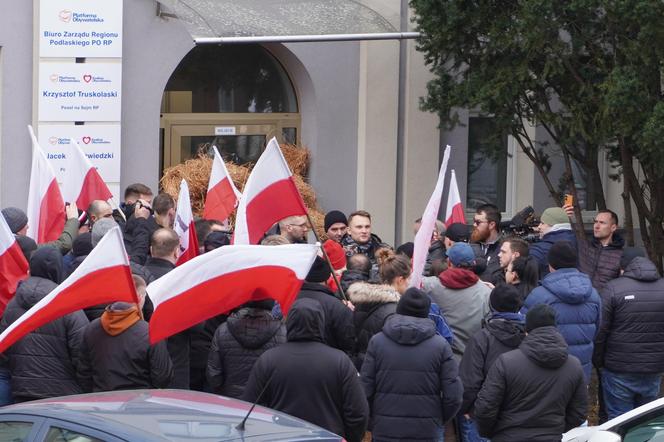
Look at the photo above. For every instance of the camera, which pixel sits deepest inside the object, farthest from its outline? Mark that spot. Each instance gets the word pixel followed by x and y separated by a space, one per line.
pixel 523 225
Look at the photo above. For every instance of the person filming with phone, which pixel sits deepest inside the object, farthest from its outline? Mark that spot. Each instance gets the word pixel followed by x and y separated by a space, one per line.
pixel 554 226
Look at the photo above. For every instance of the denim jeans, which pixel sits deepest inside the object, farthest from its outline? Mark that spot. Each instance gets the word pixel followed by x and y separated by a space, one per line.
pixel 468 430
pixel 624 391
pixel 5 388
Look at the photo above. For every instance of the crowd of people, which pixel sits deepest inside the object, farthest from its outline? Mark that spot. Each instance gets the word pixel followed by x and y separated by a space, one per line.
pixel 500 341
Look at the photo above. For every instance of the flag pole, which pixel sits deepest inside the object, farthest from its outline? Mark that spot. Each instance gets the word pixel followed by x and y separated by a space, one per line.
pixel 327 259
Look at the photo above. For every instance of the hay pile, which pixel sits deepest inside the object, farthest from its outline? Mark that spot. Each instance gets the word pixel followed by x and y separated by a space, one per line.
pixel 197 173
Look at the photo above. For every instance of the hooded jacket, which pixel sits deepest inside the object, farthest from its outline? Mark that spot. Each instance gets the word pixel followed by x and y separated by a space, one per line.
pixel 464 301
pixel 601 263
pixel 308 379
pixel 534 393
pixel 373 304
pixel 339 330
pixel 497 337
pixel 43 363
pixel 540 249
pixel 237 345
pixel 631 337
pixel 116 353
pixel 578 310
pixel 411 381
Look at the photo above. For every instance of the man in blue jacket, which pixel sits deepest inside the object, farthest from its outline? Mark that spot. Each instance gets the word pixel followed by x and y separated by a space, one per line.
pixel 576 302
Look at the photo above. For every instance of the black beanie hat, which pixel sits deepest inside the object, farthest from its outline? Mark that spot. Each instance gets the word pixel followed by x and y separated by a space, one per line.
pixel 505 298
pixel 414 303
pixel 82 245
pixel 542 315
pixel 214 240
pixel 15 217
pixel 628 254
pixel 562 255
pixel 334 217
pixel 320 271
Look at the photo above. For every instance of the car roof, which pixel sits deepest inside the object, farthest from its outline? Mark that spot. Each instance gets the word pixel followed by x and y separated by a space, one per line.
pixel 171 415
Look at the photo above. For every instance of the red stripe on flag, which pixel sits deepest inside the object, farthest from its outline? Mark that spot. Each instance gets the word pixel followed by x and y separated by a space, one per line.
pixel 192 249
pixel 220 201
pixel 93 188
pixel 13 268
pixel 222 294
pixel 98 287
pixel 458 215
pixel 274 203
pixel 51 214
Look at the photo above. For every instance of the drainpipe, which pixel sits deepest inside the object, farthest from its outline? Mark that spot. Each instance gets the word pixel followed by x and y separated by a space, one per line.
pixel 401 126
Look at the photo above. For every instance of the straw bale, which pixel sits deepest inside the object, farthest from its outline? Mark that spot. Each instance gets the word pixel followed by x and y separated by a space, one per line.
pixel 297 158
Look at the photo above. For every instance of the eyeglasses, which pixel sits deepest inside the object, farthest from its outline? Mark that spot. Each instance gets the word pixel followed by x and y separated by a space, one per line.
pixel 477 222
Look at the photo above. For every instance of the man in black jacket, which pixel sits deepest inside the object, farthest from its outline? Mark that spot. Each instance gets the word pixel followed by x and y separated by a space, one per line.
pixel 534 393
pixel 116 353
pixel 308 379
pixel 410 376
pixel 629 348
pixel 164 252
pixel 339 328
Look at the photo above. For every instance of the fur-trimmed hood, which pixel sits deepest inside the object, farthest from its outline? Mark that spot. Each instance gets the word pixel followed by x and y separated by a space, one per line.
pixel 365 293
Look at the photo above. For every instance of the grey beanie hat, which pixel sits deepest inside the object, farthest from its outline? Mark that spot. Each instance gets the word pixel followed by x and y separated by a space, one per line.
pixel 15 217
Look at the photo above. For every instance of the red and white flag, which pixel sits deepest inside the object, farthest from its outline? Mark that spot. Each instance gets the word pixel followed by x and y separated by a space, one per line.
pixel 423 236
pixel 454 212
pixel 82 183
pixel 46 208
pixel 269 196
pixel 13 265
pixel 103 277
pixel 184 226
pixel 222 195
pixel 225 278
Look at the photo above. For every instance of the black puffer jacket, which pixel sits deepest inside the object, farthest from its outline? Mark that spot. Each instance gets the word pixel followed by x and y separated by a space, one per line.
pixel 602 264
pixel 350 277
pixel 534 393
pixel 339 329
pixel 411 381
pixel 237 345
pixel 497 337
pixel 373 304
pixel 309 379
pixel 43 363
pixel 631 337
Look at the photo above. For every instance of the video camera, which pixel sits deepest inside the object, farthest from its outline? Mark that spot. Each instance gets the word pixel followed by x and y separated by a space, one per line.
pixel 522 224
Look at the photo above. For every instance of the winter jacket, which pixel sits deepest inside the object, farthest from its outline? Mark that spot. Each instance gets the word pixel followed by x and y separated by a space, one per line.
pixel 339 329
pixel 578 310
pixel 158 267
pixel 352 276
pixel 43 363
pixel 602 264
pixel 411 380
pixel 138 231
pixel 237 345
pixel 540 249
pixel 116 353
pixel 534 393
pixel 436 253
pixel 498 336
pixel 66 239
pixel 631 337
pixel 488 253
pixel 351 247
pixel 310 380
pixel 373 304
pixel 464 300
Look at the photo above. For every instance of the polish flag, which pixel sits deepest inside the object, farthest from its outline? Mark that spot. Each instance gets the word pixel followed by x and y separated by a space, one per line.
pixel 82 183
pixel 225 278
pixel 454 212
pixel 222 196
pixel 103 277
pixel 423 236
pixel 270 195
pixel 46 208
pixel 13 265
pixel 184 226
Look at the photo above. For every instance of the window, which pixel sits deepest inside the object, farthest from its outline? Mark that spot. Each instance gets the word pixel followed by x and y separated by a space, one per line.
pixel 487 164
pixel 15 431
pixel 63 435
pixel 646 427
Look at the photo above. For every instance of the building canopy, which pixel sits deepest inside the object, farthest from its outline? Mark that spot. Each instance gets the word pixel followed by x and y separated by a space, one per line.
pixel 234 21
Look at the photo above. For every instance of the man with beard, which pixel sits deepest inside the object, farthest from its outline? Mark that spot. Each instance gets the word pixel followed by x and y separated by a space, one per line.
pixel 486 240
pixel 295 229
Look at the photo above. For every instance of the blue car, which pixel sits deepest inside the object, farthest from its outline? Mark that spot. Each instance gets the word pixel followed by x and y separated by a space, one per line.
pixel 151 416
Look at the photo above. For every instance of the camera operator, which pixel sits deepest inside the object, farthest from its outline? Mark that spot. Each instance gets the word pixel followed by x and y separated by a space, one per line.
pixel 554 226
pixel 146 221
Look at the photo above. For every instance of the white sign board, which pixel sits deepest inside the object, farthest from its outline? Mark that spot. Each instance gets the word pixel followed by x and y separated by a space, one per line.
pixel 224 130
pixel 100 142
pixel 80 28
pixel 80 91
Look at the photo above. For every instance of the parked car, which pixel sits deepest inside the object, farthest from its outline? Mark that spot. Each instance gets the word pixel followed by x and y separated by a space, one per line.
pixel 151 416
pixel 645 423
